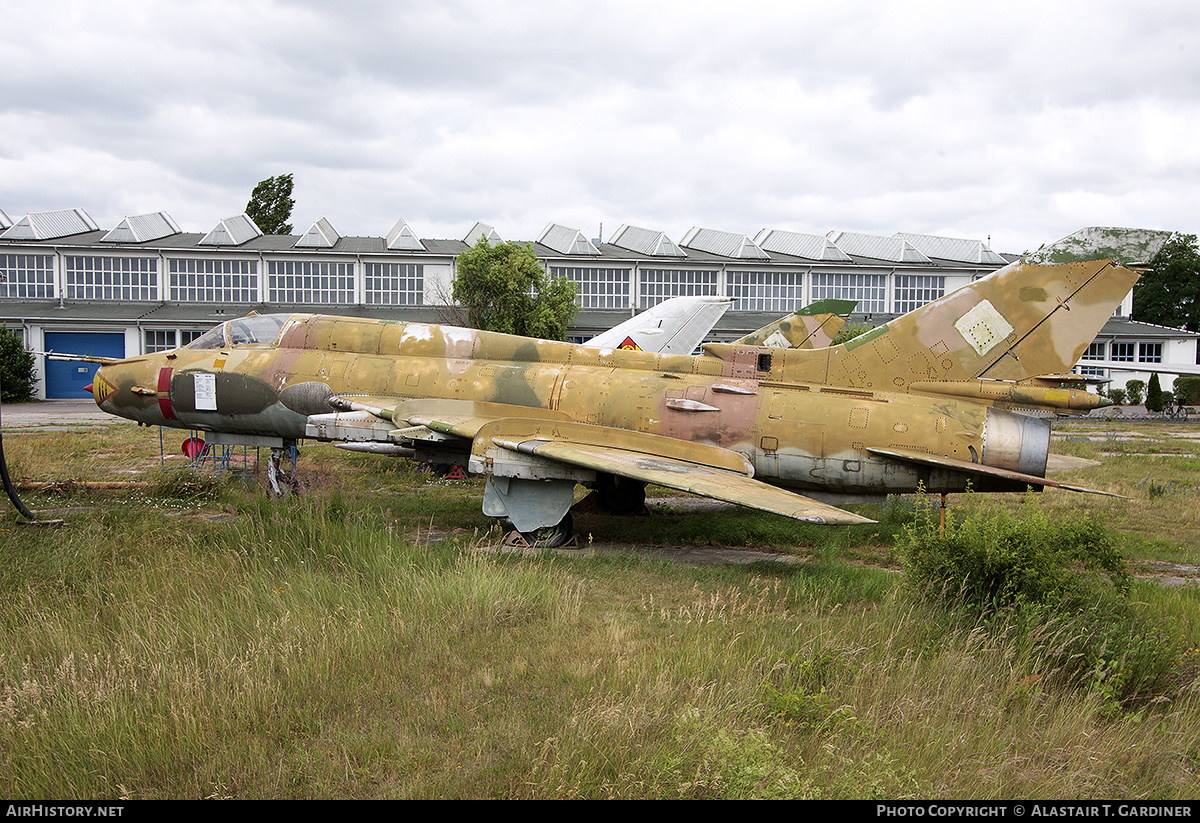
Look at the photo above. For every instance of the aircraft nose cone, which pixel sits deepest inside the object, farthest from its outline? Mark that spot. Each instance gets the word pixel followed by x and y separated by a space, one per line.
pixel 100 387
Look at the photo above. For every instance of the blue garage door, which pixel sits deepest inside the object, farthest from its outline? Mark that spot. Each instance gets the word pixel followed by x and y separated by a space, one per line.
pixel 66 379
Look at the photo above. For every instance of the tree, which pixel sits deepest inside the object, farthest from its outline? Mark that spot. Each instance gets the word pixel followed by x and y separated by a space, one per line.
pixel 16 369
pixel 1135 390
pixel 1169 292
pixel 271 205
pixel 505 288
pixel 1155 402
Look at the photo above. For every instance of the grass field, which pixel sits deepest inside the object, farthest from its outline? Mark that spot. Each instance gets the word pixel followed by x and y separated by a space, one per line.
pixel 185 636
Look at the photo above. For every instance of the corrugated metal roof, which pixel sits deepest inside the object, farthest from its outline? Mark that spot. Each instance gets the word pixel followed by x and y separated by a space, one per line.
pixel 646 241
pixel 320 235
pixel 47 225
pixel 142 228
pixel 724 243
pixel 1124 327
pixel 232 231
pixel 952 248
pixel 401 237
pixel 895 249
pixel 566 240
pixel 795 244
pixel 481 230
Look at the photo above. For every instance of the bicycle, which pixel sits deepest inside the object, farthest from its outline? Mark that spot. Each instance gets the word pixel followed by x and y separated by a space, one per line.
pixel 1177 412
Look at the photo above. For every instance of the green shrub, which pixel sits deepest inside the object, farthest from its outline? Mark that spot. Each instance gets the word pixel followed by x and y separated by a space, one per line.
pixel 1117 396
pixel 16 368
pixel 1055 589
pixel 1187 390
pixel 1136 391
pixel 991 558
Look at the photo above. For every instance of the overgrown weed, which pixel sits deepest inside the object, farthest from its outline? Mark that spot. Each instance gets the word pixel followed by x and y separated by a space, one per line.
pixel 1056 590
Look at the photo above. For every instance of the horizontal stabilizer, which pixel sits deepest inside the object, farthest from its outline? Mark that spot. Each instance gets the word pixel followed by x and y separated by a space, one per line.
pixel 980 470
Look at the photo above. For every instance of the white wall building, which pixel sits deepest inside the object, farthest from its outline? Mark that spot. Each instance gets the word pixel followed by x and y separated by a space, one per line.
pixel 68 285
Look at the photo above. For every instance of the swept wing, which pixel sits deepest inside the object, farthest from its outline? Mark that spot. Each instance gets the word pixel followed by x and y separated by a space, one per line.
pixel 532 444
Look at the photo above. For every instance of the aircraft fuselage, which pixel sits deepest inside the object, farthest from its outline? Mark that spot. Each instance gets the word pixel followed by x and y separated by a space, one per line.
pixel 267 379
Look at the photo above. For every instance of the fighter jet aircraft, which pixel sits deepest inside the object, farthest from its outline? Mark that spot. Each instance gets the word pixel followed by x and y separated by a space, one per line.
pixel 928 400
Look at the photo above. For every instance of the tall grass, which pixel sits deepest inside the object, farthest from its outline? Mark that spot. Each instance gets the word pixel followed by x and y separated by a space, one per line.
pixel 235 645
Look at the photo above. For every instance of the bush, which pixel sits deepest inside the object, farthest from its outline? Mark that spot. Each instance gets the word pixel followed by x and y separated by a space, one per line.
pixel 992 559
pixel 1117 396
pixel 1034 582
pixel 1136 391
pixel 1187 390
pixel 16 369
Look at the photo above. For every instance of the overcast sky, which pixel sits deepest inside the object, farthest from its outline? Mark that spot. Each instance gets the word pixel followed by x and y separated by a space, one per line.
pixel 1022 121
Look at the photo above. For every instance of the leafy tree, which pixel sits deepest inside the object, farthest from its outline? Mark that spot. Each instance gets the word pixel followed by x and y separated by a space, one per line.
pixel 1169 292
pixel 1155 402
pixel 16 369
pixel 505 288
pixel 1135 390
pixel 271 205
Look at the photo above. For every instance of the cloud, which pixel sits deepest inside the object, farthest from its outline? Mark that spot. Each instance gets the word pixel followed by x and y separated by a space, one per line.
pixel 1023 120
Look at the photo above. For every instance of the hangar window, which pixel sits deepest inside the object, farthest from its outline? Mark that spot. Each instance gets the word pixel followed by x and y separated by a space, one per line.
pixel 598 288
pixel 663 284
pixel 868 289
pixel 914 290
pixel 213 280
pixel 310 282
pixel 158 340
pixel 1094 352
pixel 111 278
pixel 395 284
pixel 26 275
pixel 773 291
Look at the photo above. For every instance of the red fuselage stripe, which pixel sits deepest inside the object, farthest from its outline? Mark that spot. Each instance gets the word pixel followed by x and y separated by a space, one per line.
pixel 164 394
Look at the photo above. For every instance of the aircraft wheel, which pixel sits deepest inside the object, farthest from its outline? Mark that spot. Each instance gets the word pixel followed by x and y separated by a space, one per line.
pixel 551 537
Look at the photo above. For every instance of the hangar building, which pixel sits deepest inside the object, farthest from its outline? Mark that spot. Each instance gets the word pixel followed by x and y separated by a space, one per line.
pixel 70 286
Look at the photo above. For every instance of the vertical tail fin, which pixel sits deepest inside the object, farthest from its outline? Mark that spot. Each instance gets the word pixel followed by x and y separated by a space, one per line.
pixel 813 327
pixel 1035 316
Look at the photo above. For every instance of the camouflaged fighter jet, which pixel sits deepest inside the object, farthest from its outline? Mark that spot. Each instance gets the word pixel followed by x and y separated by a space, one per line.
pixel 927 401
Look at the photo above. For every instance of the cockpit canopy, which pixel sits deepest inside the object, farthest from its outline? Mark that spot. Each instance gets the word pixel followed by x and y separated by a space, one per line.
pixel 255 330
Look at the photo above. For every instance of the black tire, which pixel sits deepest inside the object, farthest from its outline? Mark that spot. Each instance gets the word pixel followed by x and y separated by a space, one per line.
pixel 551 537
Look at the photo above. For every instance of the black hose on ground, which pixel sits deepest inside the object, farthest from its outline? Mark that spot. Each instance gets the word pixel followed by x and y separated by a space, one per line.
pixel 8 484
